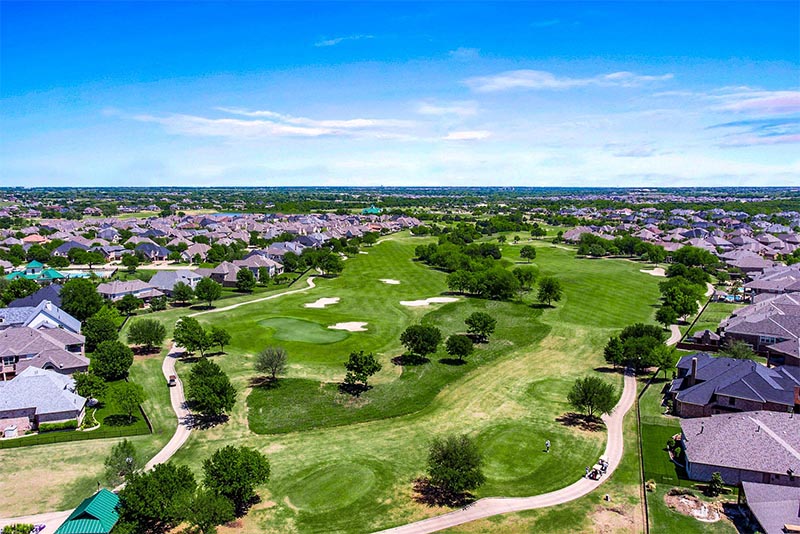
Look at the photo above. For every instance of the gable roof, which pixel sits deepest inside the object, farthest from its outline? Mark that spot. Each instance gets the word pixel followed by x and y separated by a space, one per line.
pixel 759 441
pixel 44 391
pixel 24 316
pixel 774 506
pixel 95 515
pixel 51 292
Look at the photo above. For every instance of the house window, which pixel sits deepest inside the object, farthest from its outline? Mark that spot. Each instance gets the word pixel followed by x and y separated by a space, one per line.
pixel 767 340
pixel 731 401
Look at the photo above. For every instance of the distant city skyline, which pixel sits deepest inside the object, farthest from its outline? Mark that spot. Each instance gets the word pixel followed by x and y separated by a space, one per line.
pixel 592 94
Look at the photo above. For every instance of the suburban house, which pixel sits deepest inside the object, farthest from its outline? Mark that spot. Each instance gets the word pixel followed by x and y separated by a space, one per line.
pixel 38 396
pixel 225 273
pixel 706 385
pixel 775 508
pixel 197 249
pixel 51 292
pixel 152 251
pixel 255 262
pixel 44 314
pixel 761 447
pixel 166 280
pixel 777 279
pixel 96 515
pixel 116 290
pixel 767 323
pixel 47 348
pixel 34 270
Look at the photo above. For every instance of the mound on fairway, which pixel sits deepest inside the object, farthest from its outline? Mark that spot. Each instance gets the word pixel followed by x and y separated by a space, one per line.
pixel 322 302
pixel 427 302
pixel 327 487
pixel 352 326
pixel 291 329
pixel 390 281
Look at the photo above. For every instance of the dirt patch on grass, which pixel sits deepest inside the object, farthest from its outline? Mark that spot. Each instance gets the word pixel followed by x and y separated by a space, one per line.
pixel 612 521
pixel 352 326
pixel 322 302
pixel 687 504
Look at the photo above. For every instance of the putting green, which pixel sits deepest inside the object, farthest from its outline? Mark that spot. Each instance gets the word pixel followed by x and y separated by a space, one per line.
pixel 327 487
pixel 512 451
pixel 300 330
pixel 549 390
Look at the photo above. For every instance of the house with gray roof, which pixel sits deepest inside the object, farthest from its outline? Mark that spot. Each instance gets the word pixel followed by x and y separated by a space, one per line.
pixel 706 385
pixel 117 289
pixel 50 292
pixel 762 447
pixel 38 396
pixel 44 314
pixel 165 280
pixel 775 508
pixel 56 349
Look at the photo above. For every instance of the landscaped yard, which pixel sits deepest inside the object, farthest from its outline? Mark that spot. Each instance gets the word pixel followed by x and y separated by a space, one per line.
pixel 713 314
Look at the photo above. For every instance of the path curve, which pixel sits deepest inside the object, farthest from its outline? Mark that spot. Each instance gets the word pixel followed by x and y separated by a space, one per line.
pixel 52 520
pixel 491 506
pixel 675 335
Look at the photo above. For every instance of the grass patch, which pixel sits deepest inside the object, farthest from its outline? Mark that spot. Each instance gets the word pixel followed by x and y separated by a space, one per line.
pixel 302 331
pixel 714 313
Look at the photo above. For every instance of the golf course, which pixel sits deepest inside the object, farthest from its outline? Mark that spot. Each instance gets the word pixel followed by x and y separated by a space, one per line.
pixel 344 463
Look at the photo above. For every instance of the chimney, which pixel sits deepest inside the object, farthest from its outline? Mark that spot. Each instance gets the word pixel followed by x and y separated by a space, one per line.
pixel 693 373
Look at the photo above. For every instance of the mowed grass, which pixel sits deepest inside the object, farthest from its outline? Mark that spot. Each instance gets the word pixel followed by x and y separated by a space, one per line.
pixel 714 313
pixel 508 396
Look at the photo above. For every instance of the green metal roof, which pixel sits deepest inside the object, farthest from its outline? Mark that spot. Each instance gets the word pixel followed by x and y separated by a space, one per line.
pixel 95 515
pixel 34 264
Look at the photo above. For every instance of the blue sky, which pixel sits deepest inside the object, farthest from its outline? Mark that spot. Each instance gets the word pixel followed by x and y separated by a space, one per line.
pixel 454 93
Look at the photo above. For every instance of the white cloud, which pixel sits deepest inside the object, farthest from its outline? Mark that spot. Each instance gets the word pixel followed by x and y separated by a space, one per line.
pixel 337 40
pixel 465 54
pixel 467 135
pixel 761 102
pixel 272 124
pixel 539 79
pixel 464 108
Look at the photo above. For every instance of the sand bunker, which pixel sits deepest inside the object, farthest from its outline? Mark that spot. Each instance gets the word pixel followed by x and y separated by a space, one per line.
pixel 362 252
pixel 322 302
pixel 428 301
pixel 658 271
pixel 353 326
pixel 390 281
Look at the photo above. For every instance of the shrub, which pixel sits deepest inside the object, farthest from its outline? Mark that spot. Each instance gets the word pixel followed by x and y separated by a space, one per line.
pixel 650 485
pixel 65 425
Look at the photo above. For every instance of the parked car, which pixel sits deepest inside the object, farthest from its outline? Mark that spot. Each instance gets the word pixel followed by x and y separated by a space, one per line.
pixel 172 380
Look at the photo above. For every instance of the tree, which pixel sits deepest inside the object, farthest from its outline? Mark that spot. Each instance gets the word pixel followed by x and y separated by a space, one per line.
pixel 497 283
pixel 421 339
pixel 481 325
pixel 549 290
pixel 455 464
pixel 291 263
pixel 190 335
pixel 19 528
pixel 639 351
pixel 19 288
pixel 245 280
pixel 128 396
pixel 182 293
pixel 99 328
pixel 272 361
pixel 359 368
pixel 234 472
pixel 90 385
pixel 80 298
pixel 131 261
pixel 614 352
pixel 592 394
pixel 128 304
pixel 207 510
pixel 716 485
pixel 208 290
pixel 219 336
pixel 666 315
pixel 331 264
pixel 111 360
pixel 527 252
pixel 263 276
pixel 461 281
pixel 149 333
pixel 664 357
pixel 209 389
pixel 525 275
pixel 122 462
pixel 156 501
pixel 158 304
pixel 459 345
pixel 738 350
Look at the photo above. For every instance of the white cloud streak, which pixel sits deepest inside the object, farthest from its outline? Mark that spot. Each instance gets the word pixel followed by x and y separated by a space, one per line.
pixel 338 40
pixel 464 108
pixel 467 135
pixel 539 79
